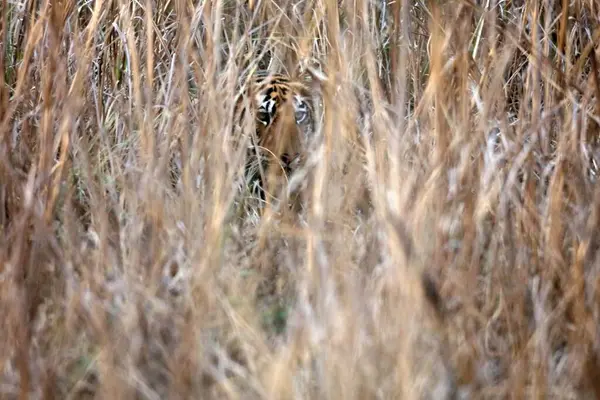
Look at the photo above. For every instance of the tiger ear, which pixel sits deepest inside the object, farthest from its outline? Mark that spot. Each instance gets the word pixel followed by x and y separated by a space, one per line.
pixel 298 73
pixel 310 69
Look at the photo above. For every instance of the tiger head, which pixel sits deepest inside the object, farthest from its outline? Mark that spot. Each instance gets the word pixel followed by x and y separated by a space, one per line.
pixel 284 117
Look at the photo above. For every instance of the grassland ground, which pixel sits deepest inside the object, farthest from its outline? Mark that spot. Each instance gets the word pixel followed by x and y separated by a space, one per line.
pixel 446 247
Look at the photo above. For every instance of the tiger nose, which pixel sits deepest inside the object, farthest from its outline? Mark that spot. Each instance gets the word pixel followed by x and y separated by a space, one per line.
pixel 286 160
pixel 288 132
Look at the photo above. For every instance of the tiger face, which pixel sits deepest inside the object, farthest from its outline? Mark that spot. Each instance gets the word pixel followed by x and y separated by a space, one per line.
pixel 284 118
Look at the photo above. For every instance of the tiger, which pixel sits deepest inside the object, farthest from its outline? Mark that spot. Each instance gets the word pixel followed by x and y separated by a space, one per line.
pixel 284 116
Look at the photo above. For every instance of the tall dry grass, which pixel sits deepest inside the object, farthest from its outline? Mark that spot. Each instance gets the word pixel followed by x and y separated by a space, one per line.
pixel 448 244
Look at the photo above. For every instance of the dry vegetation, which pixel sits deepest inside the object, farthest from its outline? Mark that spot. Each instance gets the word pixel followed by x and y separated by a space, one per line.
pixel 447 248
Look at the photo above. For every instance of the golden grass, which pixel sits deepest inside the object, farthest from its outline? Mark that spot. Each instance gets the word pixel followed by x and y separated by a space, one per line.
pixel 448 246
